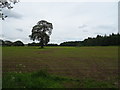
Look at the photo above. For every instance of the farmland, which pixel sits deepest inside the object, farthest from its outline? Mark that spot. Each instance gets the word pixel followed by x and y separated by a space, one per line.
pixel 97 63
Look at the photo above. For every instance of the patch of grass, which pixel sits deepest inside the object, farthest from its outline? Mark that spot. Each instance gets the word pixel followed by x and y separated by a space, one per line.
pixel 42 79
pixel 91 83
pixel 39 79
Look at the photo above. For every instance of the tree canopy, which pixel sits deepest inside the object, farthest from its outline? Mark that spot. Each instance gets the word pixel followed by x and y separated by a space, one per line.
pixel 18 43
pixel 111 40
pixel 6 4
pixel 10 43
pixel 42 32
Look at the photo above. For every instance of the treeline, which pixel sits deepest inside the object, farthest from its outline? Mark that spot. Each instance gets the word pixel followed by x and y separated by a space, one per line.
pixel 71 43
pixel 38 44
pixel 111 40
pixel 20 43
pixel 10 43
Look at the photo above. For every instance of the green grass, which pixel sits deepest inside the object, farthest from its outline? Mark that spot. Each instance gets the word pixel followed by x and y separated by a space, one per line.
pixel 42 79
pixel 96 63
pixel 29 80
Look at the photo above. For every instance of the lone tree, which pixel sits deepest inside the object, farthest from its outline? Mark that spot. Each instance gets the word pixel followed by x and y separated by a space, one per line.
pixel 42 32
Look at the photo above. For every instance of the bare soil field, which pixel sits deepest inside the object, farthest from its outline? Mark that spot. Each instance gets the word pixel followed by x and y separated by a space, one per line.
pixel 100 63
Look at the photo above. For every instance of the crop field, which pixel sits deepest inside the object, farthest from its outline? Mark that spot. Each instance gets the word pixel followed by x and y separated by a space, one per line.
pixel 79 63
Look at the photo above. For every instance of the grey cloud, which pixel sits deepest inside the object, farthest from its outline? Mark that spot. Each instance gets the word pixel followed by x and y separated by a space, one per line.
pixel 98 33
pixel 12 14
pixel 105 27
pixel 25 38
pixel 82 26
pixel 85 31
pixel 9 38
pixel 2 35
pixel 14 38
pixel 20 30
pixel 5 37
pixel 119 13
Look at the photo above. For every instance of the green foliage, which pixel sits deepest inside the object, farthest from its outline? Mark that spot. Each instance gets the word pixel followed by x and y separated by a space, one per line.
pixel 41 73
pixel 111 40
pixel 41 79
pixel 91 83
pixel 18 43
pixel 29 80
pixel 41 32
pixel 7 43
pixel 6 4
pixel 10 43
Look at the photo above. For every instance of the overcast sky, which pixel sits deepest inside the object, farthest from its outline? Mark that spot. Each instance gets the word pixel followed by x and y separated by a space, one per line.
pixel 71 21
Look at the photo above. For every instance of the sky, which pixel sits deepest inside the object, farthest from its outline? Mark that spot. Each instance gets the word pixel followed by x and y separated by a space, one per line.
pixel 72 21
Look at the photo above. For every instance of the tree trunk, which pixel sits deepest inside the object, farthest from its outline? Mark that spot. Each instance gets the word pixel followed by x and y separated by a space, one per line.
pixel 41 43
pixel 42 46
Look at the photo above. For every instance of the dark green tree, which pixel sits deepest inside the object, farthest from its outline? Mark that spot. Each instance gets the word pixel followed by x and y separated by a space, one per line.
pixel 8 43
pixel 18 43
pixel 42 32
pixel 111 40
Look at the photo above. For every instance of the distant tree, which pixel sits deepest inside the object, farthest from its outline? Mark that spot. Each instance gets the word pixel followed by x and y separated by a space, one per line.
pixel 33 44
pixel 42 32
pixel 70 43
pixel 6 4
pixel 52 44
pixel 111 40
pixel 18 43
pixel 8 43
